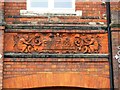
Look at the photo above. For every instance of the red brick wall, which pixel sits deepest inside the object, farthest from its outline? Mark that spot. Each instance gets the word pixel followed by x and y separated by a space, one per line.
pixel 1 54
pixel 89 8
pixel 51 79
pixel 1 12
pixel 16 68
pixel 115 44
pixel 99 67
pixel 115 6
pixel 92 9
pixel 115 11
pixel 91 12
pixel 1 42
pixel 95 67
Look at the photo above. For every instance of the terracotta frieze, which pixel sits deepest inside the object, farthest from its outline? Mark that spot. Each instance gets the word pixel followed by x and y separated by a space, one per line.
pixel 56 42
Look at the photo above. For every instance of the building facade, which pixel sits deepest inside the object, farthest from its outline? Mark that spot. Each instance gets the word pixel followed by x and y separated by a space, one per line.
pixel 52 46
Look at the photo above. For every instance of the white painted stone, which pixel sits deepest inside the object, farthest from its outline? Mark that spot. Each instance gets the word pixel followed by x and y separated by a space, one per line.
pixel 118 47
pixel 118 53
pixel 119 60
pixel 79 13
pixel 104 15
pixel 92 23
pixel 50 13
pixel 102 23
pixel 0 56
pixel 116 56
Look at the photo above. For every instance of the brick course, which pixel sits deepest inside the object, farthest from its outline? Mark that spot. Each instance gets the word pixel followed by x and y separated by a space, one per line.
pixel 84 65
pixel 94 11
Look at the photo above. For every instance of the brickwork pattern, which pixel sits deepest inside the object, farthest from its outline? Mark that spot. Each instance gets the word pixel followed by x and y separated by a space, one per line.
pixel 1 12
pixel 1 42
pixel 91 12
pixel 1 56
pixel 47 79
pixel 24 67
pixel 115 44
pixel 115 11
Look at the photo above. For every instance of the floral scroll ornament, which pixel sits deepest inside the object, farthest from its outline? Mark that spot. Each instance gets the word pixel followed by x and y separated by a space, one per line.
pixel 87 43
pixel 25 43
pixel 57 43
pixel 117 56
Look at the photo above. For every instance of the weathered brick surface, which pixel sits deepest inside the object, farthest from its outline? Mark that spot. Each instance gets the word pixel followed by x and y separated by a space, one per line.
pixel 26 67
pixel 115 44
pixel 1 56
pixel 1 41
pixel 115 36
pixel 95 43
pixel 92 67
pixel 115 12
pixel 1 12
pixel 52 79
pixel 60 19
pixel 91 12
pixel 89 8
pixel 115 6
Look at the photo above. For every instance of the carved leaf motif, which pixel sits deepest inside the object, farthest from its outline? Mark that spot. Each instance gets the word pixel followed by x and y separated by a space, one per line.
pixel 25 43
pixel 87 44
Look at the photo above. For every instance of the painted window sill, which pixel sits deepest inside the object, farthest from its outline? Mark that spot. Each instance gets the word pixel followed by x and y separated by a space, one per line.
pixel 51 13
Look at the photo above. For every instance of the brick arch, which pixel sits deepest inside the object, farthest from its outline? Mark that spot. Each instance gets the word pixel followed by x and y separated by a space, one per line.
pixel 60 88
pixel 57 79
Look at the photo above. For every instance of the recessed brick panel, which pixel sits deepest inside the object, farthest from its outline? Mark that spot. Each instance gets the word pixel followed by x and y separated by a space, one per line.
pixel 56 43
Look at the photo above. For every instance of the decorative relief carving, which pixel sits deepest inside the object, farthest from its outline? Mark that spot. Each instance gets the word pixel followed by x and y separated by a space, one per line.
pixel 57 43
pixel 87 43
pixel 26 43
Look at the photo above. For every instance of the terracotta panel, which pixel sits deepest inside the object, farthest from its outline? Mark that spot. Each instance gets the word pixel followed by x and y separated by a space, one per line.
pixel 56 43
